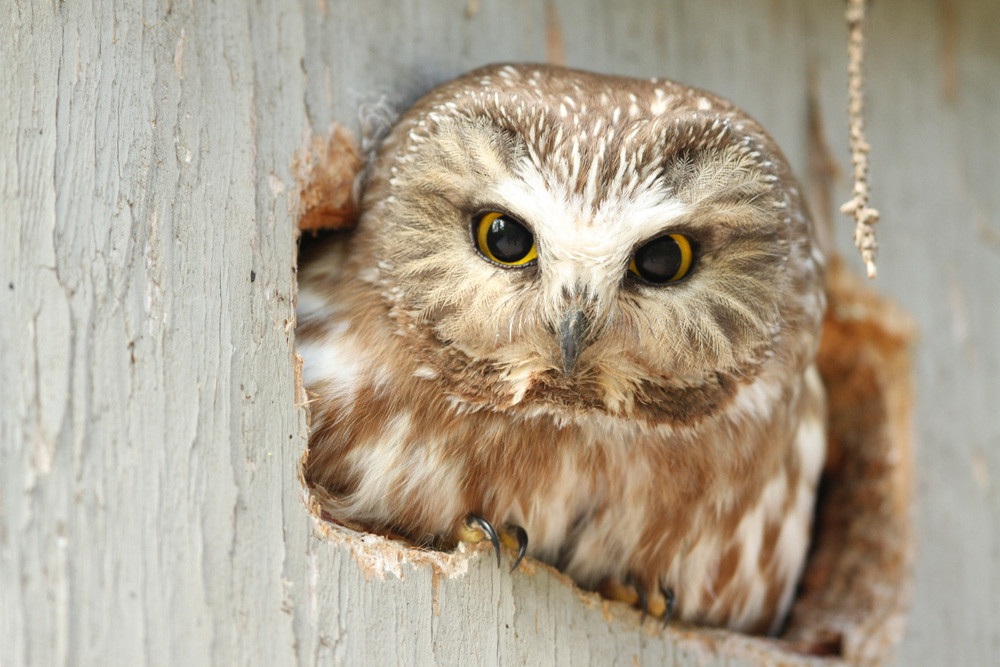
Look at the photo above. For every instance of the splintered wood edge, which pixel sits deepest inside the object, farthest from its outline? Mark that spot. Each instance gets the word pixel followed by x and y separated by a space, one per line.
pixel 857 582
pixel 327 170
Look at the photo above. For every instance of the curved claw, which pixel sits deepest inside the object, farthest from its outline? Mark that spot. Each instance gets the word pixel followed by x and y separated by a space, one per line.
pixel 478 522
pixel 643 601
pixel 522 545
pixel 640 591
pixel 671 600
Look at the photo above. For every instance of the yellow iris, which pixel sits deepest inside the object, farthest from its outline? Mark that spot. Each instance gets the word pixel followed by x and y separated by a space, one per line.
pixel 504 240
pixel 653 259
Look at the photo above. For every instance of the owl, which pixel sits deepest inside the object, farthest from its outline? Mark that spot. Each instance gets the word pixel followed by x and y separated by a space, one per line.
pixel 579 314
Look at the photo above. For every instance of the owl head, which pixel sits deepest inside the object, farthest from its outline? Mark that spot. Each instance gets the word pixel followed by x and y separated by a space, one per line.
pixel 567 243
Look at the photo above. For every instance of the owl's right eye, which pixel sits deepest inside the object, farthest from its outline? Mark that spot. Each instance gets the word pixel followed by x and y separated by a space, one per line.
pixel 504 240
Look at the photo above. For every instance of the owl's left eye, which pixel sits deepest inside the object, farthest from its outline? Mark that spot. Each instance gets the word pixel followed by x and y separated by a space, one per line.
pixel 663 260
pixel 504 240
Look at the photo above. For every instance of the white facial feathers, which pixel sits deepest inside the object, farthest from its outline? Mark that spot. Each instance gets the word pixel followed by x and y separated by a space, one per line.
pixel 584 247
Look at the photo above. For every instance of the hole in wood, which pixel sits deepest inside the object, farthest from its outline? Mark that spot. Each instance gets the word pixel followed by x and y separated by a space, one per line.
pixel 854 593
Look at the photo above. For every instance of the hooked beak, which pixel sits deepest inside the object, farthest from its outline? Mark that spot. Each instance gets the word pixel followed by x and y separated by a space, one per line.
pixel 572 334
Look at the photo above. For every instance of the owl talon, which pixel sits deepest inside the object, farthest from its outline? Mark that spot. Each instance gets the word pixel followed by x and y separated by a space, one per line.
pixel 641 593
pixel 669 600
pixel 661 603
pixel 477 528
pixel 658 603
pixel 521 536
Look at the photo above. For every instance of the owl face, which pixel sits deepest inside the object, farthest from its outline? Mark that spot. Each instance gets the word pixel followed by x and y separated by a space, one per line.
pixel 568 243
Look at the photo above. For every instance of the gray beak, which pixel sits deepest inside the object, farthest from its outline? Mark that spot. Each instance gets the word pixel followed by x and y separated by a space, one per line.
pixel 572 334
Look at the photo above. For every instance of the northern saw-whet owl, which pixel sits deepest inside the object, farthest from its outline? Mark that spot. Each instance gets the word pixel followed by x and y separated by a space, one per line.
pixel 579 311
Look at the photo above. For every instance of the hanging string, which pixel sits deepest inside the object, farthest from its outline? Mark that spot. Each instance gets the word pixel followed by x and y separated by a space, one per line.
pixel 864 216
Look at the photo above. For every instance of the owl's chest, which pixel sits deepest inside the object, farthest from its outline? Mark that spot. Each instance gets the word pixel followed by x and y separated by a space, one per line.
pixel 586 493
pixel 598 497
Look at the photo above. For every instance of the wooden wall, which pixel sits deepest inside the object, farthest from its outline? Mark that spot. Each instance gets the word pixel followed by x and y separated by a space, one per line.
pixel 150 509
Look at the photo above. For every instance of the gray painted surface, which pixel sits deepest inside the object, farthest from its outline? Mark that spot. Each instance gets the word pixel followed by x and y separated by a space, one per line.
pixel 149 439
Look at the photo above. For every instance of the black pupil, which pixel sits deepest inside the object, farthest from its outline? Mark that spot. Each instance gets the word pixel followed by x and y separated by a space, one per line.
pixel 508 240
pixel 658 261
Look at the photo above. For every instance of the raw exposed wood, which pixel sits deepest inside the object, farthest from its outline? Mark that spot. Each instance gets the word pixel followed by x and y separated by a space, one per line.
pixel 857 585
pixel 555 49
pixel 327 172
